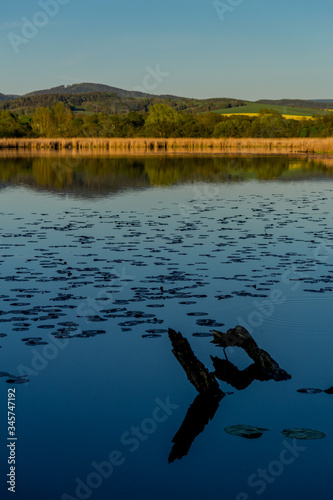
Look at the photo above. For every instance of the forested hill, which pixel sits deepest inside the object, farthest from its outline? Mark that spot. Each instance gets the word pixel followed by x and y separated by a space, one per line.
pixel 89 98
pixel 4 97
pixel 298 103
pixel 110 103
pixel 85 88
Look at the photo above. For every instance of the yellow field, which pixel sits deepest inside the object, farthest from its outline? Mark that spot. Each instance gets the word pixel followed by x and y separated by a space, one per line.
pixel 296 117
pixel 288 117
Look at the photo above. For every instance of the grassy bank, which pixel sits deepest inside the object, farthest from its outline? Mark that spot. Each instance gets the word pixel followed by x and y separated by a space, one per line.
pixel 297 145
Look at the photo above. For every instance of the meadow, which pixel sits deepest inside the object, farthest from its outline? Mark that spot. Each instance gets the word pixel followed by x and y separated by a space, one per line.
pixel 254 108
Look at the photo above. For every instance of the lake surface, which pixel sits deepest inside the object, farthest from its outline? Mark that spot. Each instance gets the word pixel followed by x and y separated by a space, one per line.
pixel 99 257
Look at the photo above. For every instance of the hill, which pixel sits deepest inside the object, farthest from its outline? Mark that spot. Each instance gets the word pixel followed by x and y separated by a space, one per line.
pixel 91 98
pixel 111 103
pixel 87 88
pixel 322 100
pixel 298 103
pixel 4 97
pixel 255 107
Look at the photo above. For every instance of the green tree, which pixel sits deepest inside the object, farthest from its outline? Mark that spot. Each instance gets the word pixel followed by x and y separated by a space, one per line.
pixel 63 120
pixel 163 121
pixel 12 126
pixel 270 123
pixel 91 126
pixel 327 122
pixel 43 123
pixel 56 121
pixel 227 128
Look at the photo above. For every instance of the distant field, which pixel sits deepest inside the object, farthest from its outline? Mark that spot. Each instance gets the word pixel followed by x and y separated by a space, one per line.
pixel 288 117
pixel 254 107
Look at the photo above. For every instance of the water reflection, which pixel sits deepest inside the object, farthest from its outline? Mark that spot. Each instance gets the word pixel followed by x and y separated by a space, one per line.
pixel 101 281
pixel 199 414
pixel 205 405
pixel 239 379
pixel 99 175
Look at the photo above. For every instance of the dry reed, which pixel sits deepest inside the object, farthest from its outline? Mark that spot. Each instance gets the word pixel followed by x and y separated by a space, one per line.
pixel 186 145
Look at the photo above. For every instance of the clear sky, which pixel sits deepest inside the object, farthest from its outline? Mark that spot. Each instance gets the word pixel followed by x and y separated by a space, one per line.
pixel 248 49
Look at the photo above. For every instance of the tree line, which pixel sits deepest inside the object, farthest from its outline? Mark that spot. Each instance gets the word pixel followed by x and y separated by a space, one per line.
pixel 160 121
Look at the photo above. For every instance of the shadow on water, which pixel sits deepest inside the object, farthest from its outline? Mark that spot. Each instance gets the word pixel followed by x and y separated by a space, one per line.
pixel 99 176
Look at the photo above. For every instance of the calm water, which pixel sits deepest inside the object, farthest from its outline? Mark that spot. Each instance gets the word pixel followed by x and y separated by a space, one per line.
pixel 99 257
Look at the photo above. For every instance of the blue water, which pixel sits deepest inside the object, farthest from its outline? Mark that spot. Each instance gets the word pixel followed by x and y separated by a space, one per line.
pixel 104 395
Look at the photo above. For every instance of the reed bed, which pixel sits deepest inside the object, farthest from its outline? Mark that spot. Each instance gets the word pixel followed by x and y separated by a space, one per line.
pixel 186 145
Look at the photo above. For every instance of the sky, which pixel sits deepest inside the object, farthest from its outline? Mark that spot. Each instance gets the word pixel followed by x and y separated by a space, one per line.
pixel 246 49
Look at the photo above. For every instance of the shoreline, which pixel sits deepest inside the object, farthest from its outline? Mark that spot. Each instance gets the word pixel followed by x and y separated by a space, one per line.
pixel 300 146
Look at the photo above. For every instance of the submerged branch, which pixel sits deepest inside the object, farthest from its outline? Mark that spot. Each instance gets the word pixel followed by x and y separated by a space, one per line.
pixel 240 337
pixel 197 373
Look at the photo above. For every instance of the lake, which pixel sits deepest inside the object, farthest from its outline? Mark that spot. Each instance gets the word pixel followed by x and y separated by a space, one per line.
pixel 99 257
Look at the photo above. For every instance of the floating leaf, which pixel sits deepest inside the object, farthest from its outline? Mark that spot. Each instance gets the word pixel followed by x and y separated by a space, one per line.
pixel 17 380
pixel 310 391
pixel 246 431
pixel 303 434
pixel 197 314
pixel 201 334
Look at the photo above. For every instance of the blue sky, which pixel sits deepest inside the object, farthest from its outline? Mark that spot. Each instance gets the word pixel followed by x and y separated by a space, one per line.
pixel 255 49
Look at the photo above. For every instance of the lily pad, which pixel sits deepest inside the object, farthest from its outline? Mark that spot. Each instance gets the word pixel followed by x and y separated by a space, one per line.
pixel 18 380
pixel 246 431
pixel 303 434
pixel 310 391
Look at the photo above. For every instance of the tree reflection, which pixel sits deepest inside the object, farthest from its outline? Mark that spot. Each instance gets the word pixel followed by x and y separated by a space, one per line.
pixel 100 175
